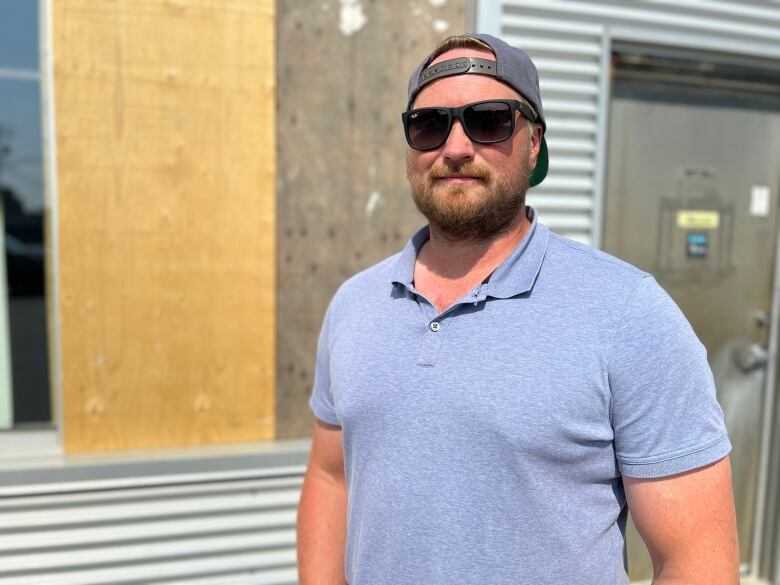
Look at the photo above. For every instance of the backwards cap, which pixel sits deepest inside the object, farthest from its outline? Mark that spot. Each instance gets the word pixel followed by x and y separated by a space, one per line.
pixel 512 66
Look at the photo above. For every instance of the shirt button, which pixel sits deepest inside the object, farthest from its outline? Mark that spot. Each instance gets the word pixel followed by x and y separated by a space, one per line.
pixel 435 326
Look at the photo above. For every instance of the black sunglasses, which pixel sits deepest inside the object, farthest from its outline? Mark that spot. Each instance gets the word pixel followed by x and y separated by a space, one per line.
pixel 485 122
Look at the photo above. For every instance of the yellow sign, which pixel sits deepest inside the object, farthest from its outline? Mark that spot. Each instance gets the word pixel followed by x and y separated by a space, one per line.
pixel 688 219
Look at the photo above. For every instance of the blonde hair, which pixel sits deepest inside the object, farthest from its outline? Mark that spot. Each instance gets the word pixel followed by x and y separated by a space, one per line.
pixel 459 42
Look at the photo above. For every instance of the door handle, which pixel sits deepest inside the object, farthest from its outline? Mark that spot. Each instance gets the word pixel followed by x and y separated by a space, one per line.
pixel 751 357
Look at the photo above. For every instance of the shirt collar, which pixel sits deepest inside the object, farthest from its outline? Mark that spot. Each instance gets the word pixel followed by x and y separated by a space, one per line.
pixel 515 275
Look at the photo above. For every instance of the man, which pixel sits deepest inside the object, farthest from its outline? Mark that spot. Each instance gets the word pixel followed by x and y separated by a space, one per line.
pixel 491 399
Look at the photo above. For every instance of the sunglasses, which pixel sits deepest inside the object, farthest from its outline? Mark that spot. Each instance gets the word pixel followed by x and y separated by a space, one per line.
pixel 484 122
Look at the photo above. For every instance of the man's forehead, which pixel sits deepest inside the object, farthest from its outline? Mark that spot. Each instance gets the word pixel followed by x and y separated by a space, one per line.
pixel 464 52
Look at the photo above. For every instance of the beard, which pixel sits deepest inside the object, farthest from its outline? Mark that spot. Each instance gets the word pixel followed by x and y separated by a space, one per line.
pixel 470 212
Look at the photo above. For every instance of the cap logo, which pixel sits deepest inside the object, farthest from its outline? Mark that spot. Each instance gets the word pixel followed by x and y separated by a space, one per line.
pixel 458 66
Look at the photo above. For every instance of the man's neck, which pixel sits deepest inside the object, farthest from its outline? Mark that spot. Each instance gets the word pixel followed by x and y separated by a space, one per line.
pixel 447 269
pixel 455 259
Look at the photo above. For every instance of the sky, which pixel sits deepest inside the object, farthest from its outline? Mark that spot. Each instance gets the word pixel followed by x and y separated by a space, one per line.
pixel 20 107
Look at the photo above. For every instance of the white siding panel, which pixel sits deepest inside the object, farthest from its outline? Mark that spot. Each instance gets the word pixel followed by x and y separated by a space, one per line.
pixel 150 551
pixel 568 54
pixel 150 481
pixel 571 164
pixel 562 145
pixel 668 16
pixel 569 67
pixel 560 127
pixel 231 527
pixel 558 182
pixel 83 536
pixel 568 87
pixel 69 498
pixel 278 577
pixel 151 572
pixel 742 10
pixel 537 44
pixel 585 107
pixel 564 222
pixel 225 503
pixel 554 24
pixel 560 201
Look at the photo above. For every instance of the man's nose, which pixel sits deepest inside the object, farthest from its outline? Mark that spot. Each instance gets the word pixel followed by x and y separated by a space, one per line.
pixel 458 146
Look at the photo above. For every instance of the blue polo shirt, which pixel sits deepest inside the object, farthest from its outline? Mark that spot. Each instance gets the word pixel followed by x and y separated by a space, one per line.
pixel 486 444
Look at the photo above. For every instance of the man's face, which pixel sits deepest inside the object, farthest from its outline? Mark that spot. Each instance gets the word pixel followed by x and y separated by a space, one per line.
pixel 465 189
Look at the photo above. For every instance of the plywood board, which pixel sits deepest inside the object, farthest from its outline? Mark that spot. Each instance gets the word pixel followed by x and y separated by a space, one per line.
pixel 165 130
pixel 344 201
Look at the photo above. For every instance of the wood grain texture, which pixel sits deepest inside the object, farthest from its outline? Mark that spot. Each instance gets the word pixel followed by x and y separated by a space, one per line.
pixel 165 124
pixel 344 201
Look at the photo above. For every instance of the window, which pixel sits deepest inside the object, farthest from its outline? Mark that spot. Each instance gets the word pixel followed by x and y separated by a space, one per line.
pixel 24 378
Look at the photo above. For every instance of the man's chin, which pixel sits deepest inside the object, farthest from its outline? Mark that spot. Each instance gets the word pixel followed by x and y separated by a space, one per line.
pixel 458 218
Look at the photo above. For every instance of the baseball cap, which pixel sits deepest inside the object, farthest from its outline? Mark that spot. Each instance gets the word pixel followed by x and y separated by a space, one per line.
pixel 513 66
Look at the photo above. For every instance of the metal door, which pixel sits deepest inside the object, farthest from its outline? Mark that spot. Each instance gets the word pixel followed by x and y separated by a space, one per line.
pixel 692 195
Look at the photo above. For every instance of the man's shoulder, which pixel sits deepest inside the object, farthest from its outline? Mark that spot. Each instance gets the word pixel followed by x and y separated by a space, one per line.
pixel 574 270
pixel 575 260
pixel 576 254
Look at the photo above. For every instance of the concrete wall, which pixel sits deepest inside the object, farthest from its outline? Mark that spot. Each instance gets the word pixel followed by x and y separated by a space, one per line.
pixel 343 200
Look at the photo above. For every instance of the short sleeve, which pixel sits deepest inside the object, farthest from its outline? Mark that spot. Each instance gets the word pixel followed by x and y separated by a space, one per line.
pixel 321 401
pixel 665 416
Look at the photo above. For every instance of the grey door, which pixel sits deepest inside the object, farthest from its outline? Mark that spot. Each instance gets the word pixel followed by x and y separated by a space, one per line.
pixel 692 195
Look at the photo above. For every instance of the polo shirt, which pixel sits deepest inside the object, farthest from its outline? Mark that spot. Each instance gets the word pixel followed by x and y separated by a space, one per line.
pixel 486 444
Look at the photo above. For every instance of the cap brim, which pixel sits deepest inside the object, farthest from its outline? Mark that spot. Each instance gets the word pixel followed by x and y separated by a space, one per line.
pixel 542 162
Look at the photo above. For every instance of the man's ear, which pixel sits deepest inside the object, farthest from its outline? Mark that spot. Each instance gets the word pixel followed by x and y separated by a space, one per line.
pixel 536 143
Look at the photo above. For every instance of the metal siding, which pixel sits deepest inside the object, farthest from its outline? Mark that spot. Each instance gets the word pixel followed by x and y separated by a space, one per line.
pixel 568 56
pixel 199 528
pixel 570 42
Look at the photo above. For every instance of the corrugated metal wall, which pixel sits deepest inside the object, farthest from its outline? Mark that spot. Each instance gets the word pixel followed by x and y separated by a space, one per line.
pixel 570 43
pixel 222 526
pixel 569 58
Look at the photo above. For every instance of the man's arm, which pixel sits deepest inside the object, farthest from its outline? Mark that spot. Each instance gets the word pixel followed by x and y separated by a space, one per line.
pixel 689 525
pixel 322 512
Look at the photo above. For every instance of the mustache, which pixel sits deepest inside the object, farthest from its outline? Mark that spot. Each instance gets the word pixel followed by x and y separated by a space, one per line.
pixel 468 169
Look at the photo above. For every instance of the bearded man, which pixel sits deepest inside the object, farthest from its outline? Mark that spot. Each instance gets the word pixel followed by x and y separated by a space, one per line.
pixel 491 400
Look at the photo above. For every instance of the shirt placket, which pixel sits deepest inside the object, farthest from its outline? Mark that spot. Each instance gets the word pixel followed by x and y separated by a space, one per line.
pixel 436 325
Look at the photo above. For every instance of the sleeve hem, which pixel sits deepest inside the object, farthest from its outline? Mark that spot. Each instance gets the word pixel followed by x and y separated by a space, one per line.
pixel 322 413
pixel 679 464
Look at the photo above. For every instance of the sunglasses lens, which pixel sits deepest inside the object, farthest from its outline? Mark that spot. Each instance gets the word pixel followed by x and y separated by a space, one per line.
pixel 489 122
pixel 427 128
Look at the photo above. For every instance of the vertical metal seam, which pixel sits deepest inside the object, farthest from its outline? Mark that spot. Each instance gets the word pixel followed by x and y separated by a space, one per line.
pixel 602 128
pixel 50 197
pixel 766 424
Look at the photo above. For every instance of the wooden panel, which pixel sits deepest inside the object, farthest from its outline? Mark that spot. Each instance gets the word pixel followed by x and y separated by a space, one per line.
pixel 166 167
pixel 344 201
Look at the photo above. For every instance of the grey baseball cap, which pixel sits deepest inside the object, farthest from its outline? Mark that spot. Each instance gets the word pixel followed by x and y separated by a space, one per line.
pixel 512 66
